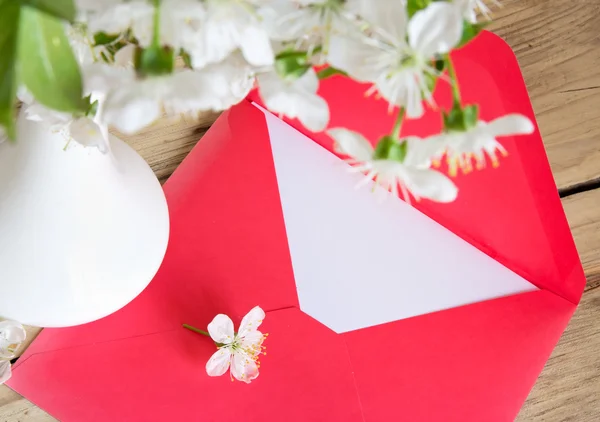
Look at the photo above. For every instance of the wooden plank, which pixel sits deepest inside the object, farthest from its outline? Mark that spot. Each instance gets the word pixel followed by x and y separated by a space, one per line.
pixel 166 143
pixel 557 43
pixel 569 387
pixel 583 213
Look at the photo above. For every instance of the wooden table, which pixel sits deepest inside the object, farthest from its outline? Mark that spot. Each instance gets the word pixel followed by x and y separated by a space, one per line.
pixel 557 43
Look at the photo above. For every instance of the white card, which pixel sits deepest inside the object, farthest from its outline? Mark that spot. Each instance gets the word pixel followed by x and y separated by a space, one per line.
pixel 359 261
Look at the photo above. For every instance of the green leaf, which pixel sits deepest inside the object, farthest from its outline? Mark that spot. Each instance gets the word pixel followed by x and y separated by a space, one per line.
pixel 291 64
pixel 413 6
pixel 9 22
pixel 470 31
pixel 154 61
pixel 102 38
pixel 62 9
pixel 47 65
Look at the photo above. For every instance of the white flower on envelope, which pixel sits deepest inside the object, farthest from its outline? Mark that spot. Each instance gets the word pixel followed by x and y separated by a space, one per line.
pixel 411 175
pixel 240 350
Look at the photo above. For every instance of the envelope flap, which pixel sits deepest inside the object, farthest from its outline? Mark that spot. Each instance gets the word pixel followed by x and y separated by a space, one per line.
pixel 472 363
pixel 512 213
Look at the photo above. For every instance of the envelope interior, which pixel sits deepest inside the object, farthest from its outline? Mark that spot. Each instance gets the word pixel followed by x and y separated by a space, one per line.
pixel 362 257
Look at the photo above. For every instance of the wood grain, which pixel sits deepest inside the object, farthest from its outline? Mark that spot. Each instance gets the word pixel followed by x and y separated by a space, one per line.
pixel 557 43
pixel 583 212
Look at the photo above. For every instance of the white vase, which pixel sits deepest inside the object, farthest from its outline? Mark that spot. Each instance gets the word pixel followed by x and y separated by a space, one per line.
pixel 81 233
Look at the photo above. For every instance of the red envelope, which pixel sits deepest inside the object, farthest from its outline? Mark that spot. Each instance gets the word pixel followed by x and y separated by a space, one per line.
pixel 376 311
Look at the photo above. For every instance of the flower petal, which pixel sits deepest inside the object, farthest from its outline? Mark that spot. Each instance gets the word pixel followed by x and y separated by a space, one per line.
pixel 388 16
pixel 436 29
pixel 12 334
pixel 129 114
pixel 5 371
pixel 511 124
pixel 251 321
pixel 125 56
pixel 115 19
pixel 221 329
pixel 356 57
pixel 314 113
pixel 296 99
pixel 219 362
pixel 430 184
pixel 421 151
pixel 243 367
pixel 251 341
pixel 256 46
pixel 87 133
pixel 352 144
pixel 403 89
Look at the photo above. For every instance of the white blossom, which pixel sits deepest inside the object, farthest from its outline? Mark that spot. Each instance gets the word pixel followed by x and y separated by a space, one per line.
pixel 398 67
pixel 229 25
pixel 477 142
pixel 132 103
pixel 413 175
pixel 12 334
pixel 308 23
pixel 295 98
pixel 240 351
pixel 469 8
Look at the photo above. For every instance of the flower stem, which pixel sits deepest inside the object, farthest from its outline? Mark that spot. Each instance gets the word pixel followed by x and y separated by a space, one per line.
pixel 453 81
pixel 156 28
pixel 196 330
pixel 398 123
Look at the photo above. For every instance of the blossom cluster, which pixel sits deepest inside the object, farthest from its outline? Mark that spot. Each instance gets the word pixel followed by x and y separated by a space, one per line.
pixel 140 59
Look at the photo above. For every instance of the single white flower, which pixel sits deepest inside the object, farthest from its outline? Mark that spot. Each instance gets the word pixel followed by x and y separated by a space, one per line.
pixel 479 141
pixel 83 130
pixel 295 98
pixel 469 8
pixel 12 334
pixel 413 175
pixel 5 371
pixel 227 26
pixel 240 350
pixel 132 103
pixel 308 23
pixel 398 67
